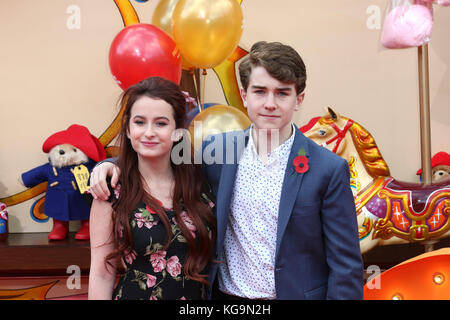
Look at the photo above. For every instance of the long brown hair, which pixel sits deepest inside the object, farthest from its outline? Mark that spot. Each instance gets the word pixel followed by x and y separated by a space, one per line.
pixel 189 185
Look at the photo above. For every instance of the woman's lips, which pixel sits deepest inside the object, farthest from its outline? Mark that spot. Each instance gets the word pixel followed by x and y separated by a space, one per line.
pixel 149 144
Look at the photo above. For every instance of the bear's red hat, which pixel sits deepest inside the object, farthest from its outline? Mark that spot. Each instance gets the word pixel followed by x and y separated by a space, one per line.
pixel 439 159
pixel 80 137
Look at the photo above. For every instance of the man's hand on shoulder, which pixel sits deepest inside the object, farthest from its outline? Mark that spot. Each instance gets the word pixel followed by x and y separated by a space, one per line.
pixel 98 186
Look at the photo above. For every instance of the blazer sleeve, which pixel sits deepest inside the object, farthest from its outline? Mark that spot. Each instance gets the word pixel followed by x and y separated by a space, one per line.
pixel 340 230
pixel 114 160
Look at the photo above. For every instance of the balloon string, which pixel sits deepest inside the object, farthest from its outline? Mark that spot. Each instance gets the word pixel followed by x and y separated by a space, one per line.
pixel 197 93
pixel 204 85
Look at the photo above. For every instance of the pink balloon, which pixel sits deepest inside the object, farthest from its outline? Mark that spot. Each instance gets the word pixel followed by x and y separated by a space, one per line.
pixel 140 51
pixel 407 26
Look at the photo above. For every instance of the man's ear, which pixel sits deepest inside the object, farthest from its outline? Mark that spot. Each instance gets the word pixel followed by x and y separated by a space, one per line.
pixel 244 97
pixel 300 98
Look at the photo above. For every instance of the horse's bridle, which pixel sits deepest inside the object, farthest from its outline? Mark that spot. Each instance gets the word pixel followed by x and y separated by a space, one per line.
pixel 340 134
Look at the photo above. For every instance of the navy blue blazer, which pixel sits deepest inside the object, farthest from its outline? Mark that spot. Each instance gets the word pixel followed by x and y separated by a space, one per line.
pixel 317 251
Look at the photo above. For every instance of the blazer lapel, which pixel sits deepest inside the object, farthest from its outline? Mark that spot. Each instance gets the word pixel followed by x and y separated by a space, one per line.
pixel 226 186
pixel 291 186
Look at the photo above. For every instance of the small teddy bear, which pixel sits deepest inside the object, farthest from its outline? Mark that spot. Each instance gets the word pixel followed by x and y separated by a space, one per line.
pixel 440 167
pixel 72 155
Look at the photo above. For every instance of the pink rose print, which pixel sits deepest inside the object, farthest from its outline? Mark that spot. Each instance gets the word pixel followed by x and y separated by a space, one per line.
pixel 188 222
pixel 151 280
pixel 141 221
pixel 153 298
pixel 129 257
pixel 117 191
pixel 182 298
pixel 158 260
pixel 173 266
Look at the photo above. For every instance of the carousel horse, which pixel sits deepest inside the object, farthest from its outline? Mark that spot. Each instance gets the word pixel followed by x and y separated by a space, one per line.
pixel 388 211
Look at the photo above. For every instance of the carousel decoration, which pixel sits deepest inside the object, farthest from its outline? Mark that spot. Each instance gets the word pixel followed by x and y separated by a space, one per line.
pixel 431 279
pixel 389 211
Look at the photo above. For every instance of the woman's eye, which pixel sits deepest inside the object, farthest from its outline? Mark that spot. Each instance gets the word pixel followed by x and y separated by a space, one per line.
pixel 139 122
pixel 322 133
pixel 161 124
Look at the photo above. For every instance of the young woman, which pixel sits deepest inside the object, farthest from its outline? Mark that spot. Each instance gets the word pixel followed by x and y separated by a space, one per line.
pixel 157 223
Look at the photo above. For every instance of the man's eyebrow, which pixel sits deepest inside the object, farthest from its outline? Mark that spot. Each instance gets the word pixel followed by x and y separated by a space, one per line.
pixel 258 87
pixel 278 89
pixel 284 89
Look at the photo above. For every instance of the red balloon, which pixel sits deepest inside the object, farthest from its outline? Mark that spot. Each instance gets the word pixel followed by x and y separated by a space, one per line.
pixel 140 51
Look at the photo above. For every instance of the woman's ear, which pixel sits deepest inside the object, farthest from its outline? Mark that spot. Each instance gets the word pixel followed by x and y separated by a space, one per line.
pixel 177 135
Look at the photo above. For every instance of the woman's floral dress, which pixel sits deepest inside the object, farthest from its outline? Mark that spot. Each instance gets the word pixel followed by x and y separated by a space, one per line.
pixel 151 272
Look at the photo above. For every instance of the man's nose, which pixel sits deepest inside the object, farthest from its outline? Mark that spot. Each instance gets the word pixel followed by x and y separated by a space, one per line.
pixel 270 102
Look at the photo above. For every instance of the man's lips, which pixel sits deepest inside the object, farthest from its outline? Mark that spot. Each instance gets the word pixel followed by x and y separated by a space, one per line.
pixel 269 116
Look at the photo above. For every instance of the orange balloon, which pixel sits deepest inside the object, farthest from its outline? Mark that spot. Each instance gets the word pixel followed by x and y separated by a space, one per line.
pixel 214 120
pixel 207 31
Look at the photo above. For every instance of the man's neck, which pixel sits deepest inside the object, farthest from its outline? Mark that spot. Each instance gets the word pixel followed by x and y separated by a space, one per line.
pixel 268 140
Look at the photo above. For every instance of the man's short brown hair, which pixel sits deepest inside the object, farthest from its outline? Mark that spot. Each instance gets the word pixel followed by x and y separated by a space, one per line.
pixel 281 61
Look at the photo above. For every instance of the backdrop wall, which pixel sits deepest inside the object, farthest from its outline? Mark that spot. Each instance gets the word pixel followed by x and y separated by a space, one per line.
pixel 54 66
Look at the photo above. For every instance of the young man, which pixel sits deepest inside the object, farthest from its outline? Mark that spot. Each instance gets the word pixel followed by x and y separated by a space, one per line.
pixel 286 220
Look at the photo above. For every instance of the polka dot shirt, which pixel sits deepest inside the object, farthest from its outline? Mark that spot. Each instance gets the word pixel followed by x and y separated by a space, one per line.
pixel 251 235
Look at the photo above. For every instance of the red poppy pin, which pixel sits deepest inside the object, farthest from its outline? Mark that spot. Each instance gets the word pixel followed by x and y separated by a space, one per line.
pixel 301 161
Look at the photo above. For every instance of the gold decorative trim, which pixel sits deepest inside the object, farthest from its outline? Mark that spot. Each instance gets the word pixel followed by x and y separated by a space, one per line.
pixel 418 231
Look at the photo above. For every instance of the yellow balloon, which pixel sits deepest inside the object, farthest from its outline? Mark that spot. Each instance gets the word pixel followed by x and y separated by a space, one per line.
pixel 162 18
pixel 207 31
pixel 216 119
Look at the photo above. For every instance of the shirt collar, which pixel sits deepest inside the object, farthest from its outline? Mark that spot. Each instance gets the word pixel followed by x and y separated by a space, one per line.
pixel 280 152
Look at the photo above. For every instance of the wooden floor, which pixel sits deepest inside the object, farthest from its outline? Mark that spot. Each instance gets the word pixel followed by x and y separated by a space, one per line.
pixel 32 254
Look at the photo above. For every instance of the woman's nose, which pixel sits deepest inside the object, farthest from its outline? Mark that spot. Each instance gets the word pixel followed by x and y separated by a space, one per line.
pixel 149 131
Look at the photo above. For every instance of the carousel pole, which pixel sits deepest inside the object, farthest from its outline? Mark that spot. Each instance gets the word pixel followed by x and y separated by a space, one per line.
pixel 425 130
pixel 424 96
